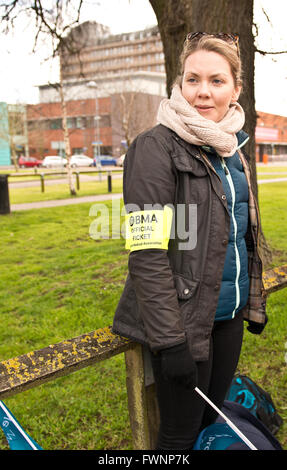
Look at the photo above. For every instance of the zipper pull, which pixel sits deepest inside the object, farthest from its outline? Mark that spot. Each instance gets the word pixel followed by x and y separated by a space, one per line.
pixel 224 166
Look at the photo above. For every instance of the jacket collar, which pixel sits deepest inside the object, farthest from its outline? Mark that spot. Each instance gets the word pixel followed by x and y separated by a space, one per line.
pixel 190 148
pixel 242 139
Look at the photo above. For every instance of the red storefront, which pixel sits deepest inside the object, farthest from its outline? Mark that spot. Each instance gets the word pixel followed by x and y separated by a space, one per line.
pixel 271 137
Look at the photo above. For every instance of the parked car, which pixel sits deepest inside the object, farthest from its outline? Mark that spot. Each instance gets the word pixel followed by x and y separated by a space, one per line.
pixel 120 160
pixel 81 160
pixel 54 161
pixel 29 162
pixel 105 160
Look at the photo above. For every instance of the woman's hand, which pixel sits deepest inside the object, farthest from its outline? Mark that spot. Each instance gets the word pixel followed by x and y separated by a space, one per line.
pixel 178 365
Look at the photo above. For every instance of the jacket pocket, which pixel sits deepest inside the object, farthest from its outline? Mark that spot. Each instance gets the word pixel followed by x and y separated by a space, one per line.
pixel 187 299
pixel 184 162
pixel 193 177
pixel 185 287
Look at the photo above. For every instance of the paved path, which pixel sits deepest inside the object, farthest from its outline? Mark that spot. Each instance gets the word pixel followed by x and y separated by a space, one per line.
pixel 272 180
pixel 271 173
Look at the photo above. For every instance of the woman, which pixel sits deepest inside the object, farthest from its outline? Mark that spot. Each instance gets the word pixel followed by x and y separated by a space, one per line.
pixel 193 232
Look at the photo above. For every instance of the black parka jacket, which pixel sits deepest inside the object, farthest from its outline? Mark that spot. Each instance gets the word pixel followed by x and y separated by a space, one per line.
pixel 171 295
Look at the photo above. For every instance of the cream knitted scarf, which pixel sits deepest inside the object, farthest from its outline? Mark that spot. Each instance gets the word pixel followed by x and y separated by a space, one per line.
pixel 177 114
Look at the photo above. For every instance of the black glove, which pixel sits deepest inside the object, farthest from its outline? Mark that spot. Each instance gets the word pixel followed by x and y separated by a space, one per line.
pixel 257 328
pixel 178 365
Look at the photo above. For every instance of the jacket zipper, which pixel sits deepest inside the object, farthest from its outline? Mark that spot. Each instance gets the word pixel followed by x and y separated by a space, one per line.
pixel 238 267
pixel 207 162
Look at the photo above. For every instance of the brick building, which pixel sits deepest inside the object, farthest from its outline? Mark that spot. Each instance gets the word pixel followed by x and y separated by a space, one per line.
pixel 45 133
pixel 120 116
pixel 271 136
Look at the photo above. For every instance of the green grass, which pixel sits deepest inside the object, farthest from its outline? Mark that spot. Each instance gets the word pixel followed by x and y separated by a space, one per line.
pixel 267 177
pixel 263 357
pixel 272 169
pixel 273 205
pixel 56 283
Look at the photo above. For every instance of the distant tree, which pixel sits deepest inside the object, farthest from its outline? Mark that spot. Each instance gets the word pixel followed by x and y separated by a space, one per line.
pixel 133 111
pixel 53 20
pixel 17 131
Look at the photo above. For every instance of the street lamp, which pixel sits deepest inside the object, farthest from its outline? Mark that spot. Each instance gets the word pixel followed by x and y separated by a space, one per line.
pixel 93 84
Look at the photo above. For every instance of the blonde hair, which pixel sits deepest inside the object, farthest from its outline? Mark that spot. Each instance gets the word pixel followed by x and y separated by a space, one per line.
pixel 213 44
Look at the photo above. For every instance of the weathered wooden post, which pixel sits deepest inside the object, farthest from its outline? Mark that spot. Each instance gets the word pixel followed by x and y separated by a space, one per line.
pixel 4 195
pixel 109 182
pixel 42 176
pixel 78 180
pixel 142 402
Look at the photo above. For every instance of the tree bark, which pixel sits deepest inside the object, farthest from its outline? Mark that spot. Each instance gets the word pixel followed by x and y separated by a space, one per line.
pixel 176 19
pixel 66 134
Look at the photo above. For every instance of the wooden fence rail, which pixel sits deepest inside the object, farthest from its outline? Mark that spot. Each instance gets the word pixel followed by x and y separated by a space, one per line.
pixel 75 172
pixel 37 367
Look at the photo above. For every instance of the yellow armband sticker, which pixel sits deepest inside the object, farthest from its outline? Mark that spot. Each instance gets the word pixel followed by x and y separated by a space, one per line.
pixel 148 229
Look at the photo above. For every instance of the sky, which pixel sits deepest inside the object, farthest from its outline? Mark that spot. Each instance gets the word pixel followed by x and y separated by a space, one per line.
pixel 21 70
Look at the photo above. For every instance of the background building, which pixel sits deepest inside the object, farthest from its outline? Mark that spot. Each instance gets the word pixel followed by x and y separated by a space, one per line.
pixel 111 89
pixel 271 137
pixel 121 117
pixel 5 154
pixel 112 85
pixel 91 52
pixel 13 133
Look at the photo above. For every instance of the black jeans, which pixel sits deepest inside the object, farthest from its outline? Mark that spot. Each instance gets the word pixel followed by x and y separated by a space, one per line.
pixel 183 413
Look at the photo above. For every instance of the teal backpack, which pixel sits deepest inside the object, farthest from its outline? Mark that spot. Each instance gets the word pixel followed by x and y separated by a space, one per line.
pixel 257 401
pixel 252 411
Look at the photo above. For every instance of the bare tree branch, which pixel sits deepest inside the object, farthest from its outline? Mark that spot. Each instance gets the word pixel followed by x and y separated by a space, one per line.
pixel 49 21
pixel 269 52
pixel 267 17
pixel 260 50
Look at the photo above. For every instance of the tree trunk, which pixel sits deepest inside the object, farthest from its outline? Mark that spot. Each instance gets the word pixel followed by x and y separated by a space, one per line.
pixel 66 134
pixel 176 19
pixel 13 153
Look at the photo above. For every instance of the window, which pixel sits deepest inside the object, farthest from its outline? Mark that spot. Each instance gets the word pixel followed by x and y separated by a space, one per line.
pixel 70 123
pixel 79 122
pixel 77 150
pixel 106 150
pixel 56 124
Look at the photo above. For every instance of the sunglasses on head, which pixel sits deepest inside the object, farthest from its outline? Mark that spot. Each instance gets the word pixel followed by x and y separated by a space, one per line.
pixel 227 37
